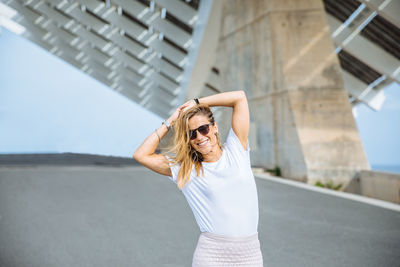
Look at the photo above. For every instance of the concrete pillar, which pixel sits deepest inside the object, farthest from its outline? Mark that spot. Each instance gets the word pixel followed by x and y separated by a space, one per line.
pixel 281 53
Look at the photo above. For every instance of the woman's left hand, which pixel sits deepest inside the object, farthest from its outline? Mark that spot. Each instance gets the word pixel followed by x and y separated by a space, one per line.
pixel 189 104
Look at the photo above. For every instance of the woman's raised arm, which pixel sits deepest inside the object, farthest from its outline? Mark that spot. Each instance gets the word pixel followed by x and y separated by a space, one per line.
pixel 240 114
pixel 145 155
pixel 240 125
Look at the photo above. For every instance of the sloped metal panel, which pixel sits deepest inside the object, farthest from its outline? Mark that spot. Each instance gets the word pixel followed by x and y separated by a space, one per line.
pixel 367 39
pixel 138 48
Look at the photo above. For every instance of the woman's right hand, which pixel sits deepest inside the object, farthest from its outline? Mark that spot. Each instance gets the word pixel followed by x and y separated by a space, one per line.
pixel 189 104
pixel 174 116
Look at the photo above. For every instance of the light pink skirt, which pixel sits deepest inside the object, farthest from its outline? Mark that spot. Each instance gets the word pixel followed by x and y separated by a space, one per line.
pixel 219 250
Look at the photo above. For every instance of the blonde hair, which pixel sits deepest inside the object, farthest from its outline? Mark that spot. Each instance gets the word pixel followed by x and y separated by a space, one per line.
pixel 182 150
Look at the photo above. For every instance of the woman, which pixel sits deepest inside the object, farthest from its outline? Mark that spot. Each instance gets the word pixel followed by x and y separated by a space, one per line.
pixel 216 179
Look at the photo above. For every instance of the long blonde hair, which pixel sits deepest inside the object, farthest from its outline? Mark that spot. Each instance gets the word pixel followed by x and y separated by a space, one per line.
pixel 182 150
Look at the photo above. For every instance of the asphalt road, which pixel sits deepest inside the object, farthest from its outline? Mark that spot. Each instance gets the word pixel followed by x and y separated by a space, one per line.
pixel 129 216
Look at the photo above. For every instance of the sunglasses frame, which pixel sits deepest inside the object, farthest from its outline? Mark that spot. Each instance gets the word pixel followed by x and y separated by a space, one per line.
pixel 193 133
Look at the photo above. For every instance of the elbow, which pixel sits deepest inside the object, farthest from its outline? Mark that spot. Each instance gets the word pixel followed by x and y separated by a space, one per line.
pixel 242 94
pixel 241 97
pixel 139 157
pixel 136 156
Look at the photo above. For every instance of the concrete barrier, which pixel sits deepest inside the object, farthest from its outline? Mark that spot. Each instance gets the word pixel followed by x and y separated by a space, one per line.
pixel 380 185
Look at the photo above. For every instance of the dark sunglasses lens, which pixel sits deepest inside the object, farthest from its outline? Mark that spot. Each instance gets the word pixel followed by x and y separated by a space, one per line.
pixel 204 129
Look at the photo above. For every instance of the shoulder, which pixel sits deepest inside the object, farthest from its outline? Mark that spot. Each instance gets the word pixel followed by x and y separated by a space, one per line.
pixel 233 142
pixel 235 148
pixel 174 166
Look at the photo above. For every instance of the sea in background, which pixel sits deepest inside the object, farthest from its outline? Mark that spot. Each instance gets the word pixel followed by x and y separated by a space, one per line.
pixel 386 168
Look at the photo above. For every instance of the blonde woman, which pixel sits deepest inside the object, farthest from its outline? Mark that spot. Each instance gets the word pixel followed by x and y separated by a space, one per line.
pixel 215 179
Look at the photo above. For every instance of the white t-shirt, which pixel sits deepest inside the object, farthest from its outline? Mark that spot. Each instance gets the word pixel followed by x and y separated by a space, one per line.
pixel 224 201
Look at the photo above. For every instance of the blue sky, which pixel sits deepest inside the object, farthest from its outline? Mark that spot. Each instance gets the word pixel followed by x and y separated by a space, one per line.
pixel 47 105
pixel 380 131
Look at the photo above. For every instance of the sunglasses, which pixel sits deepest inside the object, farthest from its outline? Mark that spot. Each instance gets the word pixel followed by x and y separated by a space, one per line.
pixel 203 129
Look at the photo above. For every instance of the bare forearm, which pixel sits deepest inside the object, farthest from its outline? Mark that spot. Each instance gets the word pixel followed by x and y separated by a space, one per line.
pixel 226 99
pixel 149 145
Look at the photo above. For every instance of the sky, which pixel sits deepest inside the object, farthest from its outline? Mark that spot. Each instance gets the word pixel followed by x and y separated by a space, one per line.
pixel 380 131
pixel 49 106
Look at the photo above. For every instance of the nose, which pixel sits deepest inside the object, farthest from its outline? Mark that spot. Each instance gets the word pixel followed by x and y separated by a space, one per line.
pixel 199 135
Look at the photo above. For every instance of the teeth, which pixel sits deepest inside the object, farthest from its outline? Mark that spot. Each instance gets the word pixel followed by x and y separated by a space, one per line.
pixel 202 143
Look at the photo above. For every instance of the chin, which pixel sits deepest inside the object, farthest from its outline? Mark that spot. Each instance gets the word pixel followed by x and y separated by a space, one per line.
pixel 205 150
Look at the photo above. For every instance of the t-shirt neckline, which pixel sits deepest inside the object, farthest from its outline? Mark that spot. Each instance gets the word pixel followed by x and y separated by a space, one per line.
pixel 215 162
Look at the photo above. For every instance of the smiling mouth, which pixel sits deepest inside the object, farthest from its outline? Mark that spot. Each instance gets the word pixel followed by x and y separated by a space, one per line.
pixel 203 143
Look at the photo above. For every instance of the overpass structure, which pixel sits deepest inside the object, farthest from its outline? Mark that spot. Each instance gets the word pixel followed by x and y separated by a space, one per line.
pixel 146 49
pixel 367 40
pixel 298 61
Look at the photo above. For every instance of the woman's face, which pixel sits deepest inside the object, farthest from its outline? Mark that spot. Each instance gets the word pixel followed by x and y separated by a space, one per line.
pixel 203 143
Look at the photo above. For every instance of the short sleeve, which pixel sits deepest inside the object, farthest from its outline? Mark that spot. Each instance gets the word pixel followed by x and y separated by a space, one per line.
pixel 234 144
pixel 174 171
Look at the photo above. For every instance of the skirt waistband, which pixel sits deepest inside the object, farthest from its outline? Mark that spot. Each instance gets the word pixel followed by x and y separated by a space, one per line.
pixel 230 238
